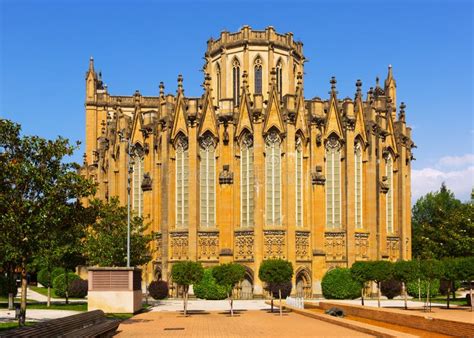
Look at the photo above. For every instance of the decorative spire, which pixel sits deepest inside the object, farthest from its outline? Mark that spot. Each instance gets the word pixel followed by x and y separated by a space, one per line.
pixel 245 76
pixel 180 84
pixel 273 76
pixel 401 115
pixel 84 159
pixel 91 64
pixel 359 88
pixel 377 84
pixel 333 82
pixel 299 79
pixel 207 81
pixel 162 89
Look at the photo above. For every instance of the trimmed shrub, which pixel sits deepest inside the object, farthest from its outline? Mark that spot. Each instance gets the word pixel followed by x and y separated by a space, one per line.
pixel 46 278
pixel 78 288
pixel 285 289
pixel 391 288
pixel 59 283
pixel 7 285
pixel 208 288
pixel 444 284
pixel 412 288
pixel 158 289
pixel 338 284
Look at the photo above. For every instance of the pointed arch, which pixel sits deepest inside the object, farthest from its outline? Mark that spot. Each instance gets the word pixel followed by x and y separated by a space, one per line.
pixel 389 197
pixel 299 183
pixel 182 180
pixel 138 170
pixel 303 282
pixel 180 117
pixel 218 81
pixel 236 81
pixel 358 183
pixel 333 182
pixel 273 118
pixel 207 178
pixel 279 77
pixel 273 177
pixel 333 120
pixel 208 122
pixel 258 74
pixel 244 119
pixel 246 179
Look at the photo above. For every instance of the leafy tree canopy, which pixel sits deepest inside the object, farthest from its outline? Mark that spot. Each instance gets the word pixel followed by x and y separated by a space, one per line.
pixel 405 271
pixel 187 273
pixel 380 271
pixel 105 243
pixel 228 275
pixel 442 226
pixel 275 271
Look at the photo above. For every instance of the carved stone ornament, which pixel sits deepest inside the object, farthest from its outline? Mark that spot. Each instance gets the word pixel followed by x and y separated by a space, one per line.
pixel 272 138
pixel 179 246
pixel 147 182
pixel 226 176
pixel 244 245
pixel 207 142
pixel 349 122
pixel 393 248
pixel 361 246
pixel 274 244
pixel 384 186
pixel 208 245
pixel 182 142
pixel 317 176
pixel 335 246
pixel 302 246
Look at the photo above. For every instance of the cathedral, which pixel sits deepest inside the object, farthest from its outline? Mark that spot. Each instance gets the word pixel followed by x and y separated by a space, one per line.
pixel 253 169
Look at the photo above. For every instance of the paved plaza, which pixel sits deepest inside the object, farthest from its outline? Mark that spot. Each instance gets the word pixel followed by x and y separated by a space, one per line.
pixel 254 323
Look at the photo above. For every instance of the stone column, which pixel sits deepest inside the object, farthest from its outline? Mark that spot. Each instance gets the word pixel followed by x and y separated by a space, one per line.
pixel 193 192
pixel 259 189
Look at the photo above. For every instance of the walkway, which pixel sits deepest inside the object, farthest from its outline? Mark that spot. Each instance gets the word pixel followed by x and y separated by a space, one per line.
pixel 220 324
pixel 35 315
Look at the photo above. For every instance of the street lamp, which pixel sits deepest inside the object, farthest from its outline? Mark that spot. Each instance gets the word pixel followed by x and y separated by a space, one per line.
pixel 129 172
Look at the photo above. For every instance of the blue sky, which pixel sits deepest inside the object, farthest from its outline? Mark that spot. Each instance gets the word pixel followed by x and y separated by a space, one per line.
pixel 46 45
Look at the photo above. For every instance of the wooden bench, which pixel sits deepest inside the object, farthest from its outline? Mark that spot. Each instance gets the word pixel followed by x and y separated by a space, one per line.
pixel 87 324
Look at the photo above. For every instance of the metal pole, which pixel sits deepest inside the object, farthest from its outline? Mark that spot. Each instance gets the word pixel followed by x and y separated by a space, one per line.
pixel 128 204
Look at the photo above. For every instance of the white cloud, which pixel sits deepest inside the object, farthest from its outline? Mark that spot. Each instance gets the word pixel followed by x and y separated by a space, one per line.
pixel 456 161
pixel 456 171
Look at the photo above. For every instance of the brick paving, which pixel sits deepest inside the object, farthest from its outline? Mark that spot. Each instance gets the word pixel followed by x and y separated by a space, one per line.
pixel 220 324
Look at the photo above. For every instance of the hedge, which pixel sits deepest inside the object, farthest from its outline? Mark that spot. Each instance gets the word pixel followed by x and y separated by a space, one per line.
pixel 46 278
pixel 208 288
pixel 78 288
pixel 412 288
pixel 338 284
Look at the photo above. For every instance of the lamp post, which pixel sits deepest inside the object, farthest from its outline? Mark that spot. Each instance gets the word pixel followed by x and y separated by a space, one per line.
pixel 129 172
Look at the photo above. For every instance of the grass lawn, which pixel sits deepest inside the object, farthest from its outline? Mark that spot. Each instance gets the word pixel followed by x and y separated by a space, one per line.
pixel 43 291
pixel 442 300
pixel 54 306
pixel 12 325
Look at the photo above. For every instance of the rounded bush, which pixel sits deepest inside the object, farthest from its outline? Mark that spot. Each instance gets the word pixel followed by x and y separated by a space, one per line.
pixel 78 288
pixel 158 289
pixel 7 285
pixel 391 288
pixel 445 284
pixel 412 288
pixel 284 287
pixel 46 278
pixel 338 284
pixel 208 288
pixel 59 283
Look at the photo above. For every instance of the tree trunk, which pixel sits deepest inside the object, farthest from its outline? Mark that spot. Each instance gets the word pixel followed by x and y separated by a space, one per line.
pixel 419 290
pixel 448 294
pixel 48 304
pixel 362 294
pixel 272 304
pixel 24 288
pixel 67 286
pixel 428 297
pixel 185 296
pixel 405 295
pixel 378 293
pixel 470 293
pixel 11 300
pixel 281 308
pixel 231 305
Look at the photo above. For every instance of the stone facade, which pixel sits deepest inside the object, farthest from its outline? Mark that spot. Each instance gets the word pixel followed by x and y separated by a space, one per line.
pixel 254 170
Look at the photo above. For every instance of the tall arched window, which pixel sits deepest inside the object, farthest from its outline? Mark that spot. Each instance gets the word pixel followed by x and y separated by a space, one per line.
pixel 279 81
pixel 333 183
pixel 246 182
pixel 137 192
pixel 236 81
pixel 358 193
pixel 182 186
pixel 258 76
pixel 218 81
pixel 273 178
pixel 389 174
pixel 299 182
pixel 208 181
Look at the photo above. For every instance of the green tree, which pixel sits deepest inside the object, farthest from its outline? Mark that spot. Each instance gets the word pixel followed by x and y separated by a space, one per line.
pixel 275 273
pixel 37 192
pixel 378 272
pixel 442 226
pixel 207 288
pixel 184 274
pixel 229 275
pixel 405 271
pixel 360 273
pixel 466 273
pixel 451 273
pixel 105 242
pixel 430 270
